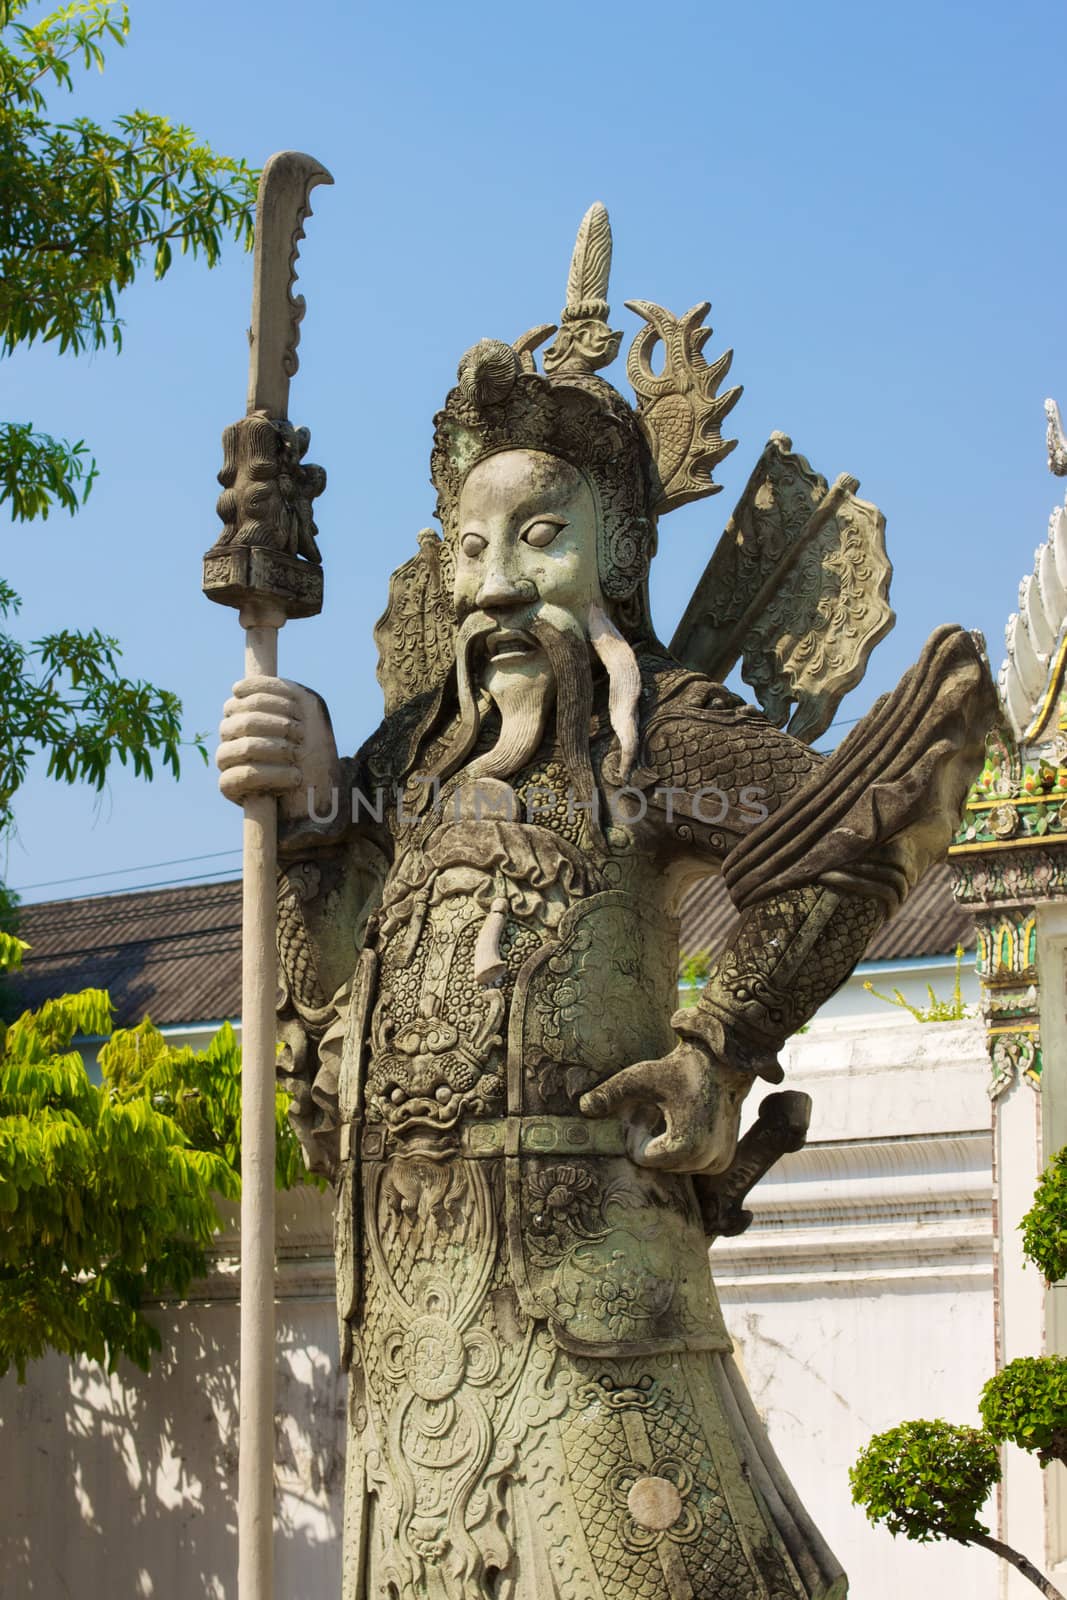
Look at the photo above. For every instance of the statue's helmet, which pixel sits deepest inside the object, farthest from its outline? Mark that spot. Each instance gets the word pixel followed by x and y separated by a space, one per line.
pixel 496 406
pixel 639 461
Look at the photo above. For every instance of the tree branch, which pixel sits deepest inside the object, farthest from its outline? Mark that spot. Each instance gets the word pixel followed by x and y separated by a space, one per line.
pixel 50 65
pixel 1019 1562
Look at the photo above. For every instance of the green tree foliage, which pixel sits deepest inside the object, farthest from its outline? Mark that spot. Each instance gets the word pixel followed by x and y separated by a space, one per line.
pixel 86 208
pixel 199 1090
pixel 103 1202
pixel 63 694
pixel 1044 1227
pixel 692 974
pixel 108 1191
pixel 927 1480
pixel 1026 1404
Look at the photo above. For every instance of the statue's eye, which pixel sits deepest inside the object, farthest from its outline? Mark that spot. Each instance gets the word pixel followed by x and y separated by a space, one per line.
pixel 472 544
pixel 542 532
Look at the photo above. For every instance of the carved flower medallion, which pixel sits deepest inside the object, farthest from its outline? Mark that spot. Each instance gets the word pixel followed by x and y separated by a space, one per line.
pixel 560 1191
pixel 654 1504
pixel 433 1358
pixel 1003 821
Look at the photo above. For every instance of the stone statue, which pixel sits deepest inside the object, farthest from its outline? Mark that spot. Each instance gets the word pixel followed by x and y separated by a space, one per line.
pixel 478 937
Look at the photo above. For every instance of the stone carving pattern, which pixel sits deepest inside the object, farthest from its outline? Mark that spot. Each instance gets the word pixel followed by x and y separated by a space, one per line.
pixel 1032 674
pixel 1008 855
pixel 449 1399
pixel 679 407
pixel 585 341
pixel 268 488
pixel 414 633
pixel 797 589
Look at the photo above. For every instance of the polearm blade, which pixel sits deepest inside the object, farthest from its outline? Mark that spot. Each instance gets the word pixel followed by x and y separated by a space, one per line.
pixel 269 581
pixel 282 207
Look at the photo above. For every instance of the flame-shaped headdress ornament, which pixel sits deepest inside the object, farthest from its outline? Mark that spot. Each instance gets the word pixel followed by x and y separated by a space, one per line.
pixel 680 408
pixel 641 461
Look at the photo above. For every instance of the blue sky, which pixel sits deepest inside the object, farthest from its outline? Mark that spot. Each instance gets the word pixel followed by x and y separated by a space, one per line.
pixel 871 197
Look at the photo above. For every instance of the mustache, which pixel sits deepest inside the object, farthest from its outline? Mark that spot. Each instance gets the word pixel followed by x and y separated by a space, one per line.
pixel 566 638
pixel 474 628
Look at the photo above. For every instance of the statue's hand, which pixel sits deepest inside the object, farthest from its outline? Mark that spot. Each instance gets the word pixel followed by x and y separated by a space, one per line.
pixel 682 1111
pixel 275 738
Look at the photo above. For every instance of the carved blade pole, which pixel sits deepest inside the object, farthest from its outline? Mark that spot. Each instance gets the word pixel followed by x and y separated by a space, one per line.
pixel 268 585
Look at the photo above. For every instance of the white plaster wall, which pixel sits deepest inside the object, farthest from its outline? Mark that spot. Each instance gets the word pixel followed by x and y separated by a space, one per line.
pixel 861 1296
pixel 1052 962
pixel 127 1487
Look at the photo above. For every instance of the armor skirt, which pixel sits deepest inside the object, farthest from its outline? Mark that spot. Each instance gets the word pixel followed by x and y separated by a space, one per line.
pixel 487 1462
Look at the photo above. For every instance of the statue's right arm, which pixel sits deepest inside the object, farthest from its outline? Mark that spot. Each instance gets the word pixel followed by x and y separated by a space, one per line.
pixel 276 738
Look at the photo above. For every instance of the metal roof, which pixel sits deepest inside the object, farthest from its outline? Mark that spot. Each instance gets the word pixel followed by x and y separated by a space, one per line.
pixel 171 954
pixel 174 954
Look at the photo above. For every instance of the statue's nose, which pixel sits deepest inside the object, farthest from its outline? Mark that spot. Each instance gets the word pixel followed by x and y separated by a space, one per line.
pixel 500 590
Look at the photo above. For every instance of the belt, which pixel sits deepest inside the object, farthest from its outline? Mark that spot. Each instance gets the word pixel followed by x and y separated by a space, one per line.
pixel 513 1136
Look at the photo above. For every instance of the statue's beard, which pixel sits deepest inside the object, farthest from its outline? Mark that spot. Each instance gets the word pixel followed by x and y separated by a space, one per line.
pixel 524 696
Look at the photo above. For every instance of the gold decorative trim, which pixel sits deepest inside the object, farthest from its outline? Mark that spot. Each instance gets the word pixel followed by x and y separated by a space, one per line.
pixel 1016 800
pixel 1051 695
pixel 1045 839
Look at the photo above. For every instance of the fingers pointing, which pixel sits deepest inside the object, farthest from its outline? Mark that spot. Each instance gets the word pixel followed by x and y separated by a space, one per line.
pixel 621 1089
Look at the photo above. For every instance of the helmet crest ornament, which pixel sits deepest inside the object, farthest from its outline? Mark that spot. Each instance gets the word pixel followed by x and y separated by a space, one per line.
pixel 640 461
pixel 585 342
pixel 680 408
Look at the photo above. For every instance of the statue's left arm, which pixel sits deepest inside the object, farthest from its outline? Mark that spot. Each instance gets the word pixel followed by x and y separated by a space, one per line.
pixel 787 956
pixel 813 882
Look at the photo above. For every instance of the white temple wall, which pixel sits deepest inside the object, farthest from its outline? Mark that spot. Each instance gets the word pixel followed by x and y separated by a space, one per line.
pixel 1052 1130
pixel 862 1294
pixel 127 1487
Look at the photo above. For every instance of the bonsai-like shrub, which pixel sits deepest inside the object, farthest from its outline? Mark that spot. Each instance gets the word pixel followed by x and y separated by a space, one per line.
pixel 927 1480
pixel 1026 1405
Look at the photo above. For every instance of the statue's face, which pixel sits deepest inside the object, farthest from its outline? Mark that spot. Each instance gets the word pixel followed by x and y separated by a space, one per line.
pixel 527 541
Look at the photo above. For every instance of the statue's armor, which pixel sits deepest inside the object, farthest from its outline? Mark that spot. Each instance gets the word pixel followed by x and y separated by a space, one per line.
pixel 475 1071
pixel 540 1374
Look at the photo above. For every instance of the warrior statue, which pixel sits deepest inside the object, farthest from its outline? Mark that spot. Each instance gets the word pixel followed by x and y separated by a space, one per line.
pixel 478 933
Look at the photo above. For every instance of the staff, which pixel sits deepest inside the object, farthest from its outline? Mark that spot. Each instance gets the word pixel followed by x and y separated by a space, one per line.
pixel 266 564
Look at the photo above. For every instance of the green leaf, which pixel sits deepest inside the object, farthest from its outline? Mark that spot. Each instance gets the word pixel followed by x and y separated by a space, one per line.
pixel 1044 1227
pixel 1026 1404
pixel 108 1192
pixel 12 950
pixel 927 1480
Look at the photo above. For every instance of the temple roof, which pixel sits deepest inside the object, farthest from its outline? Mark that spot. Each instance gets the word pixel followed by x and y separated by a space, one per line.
pixel 171 954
